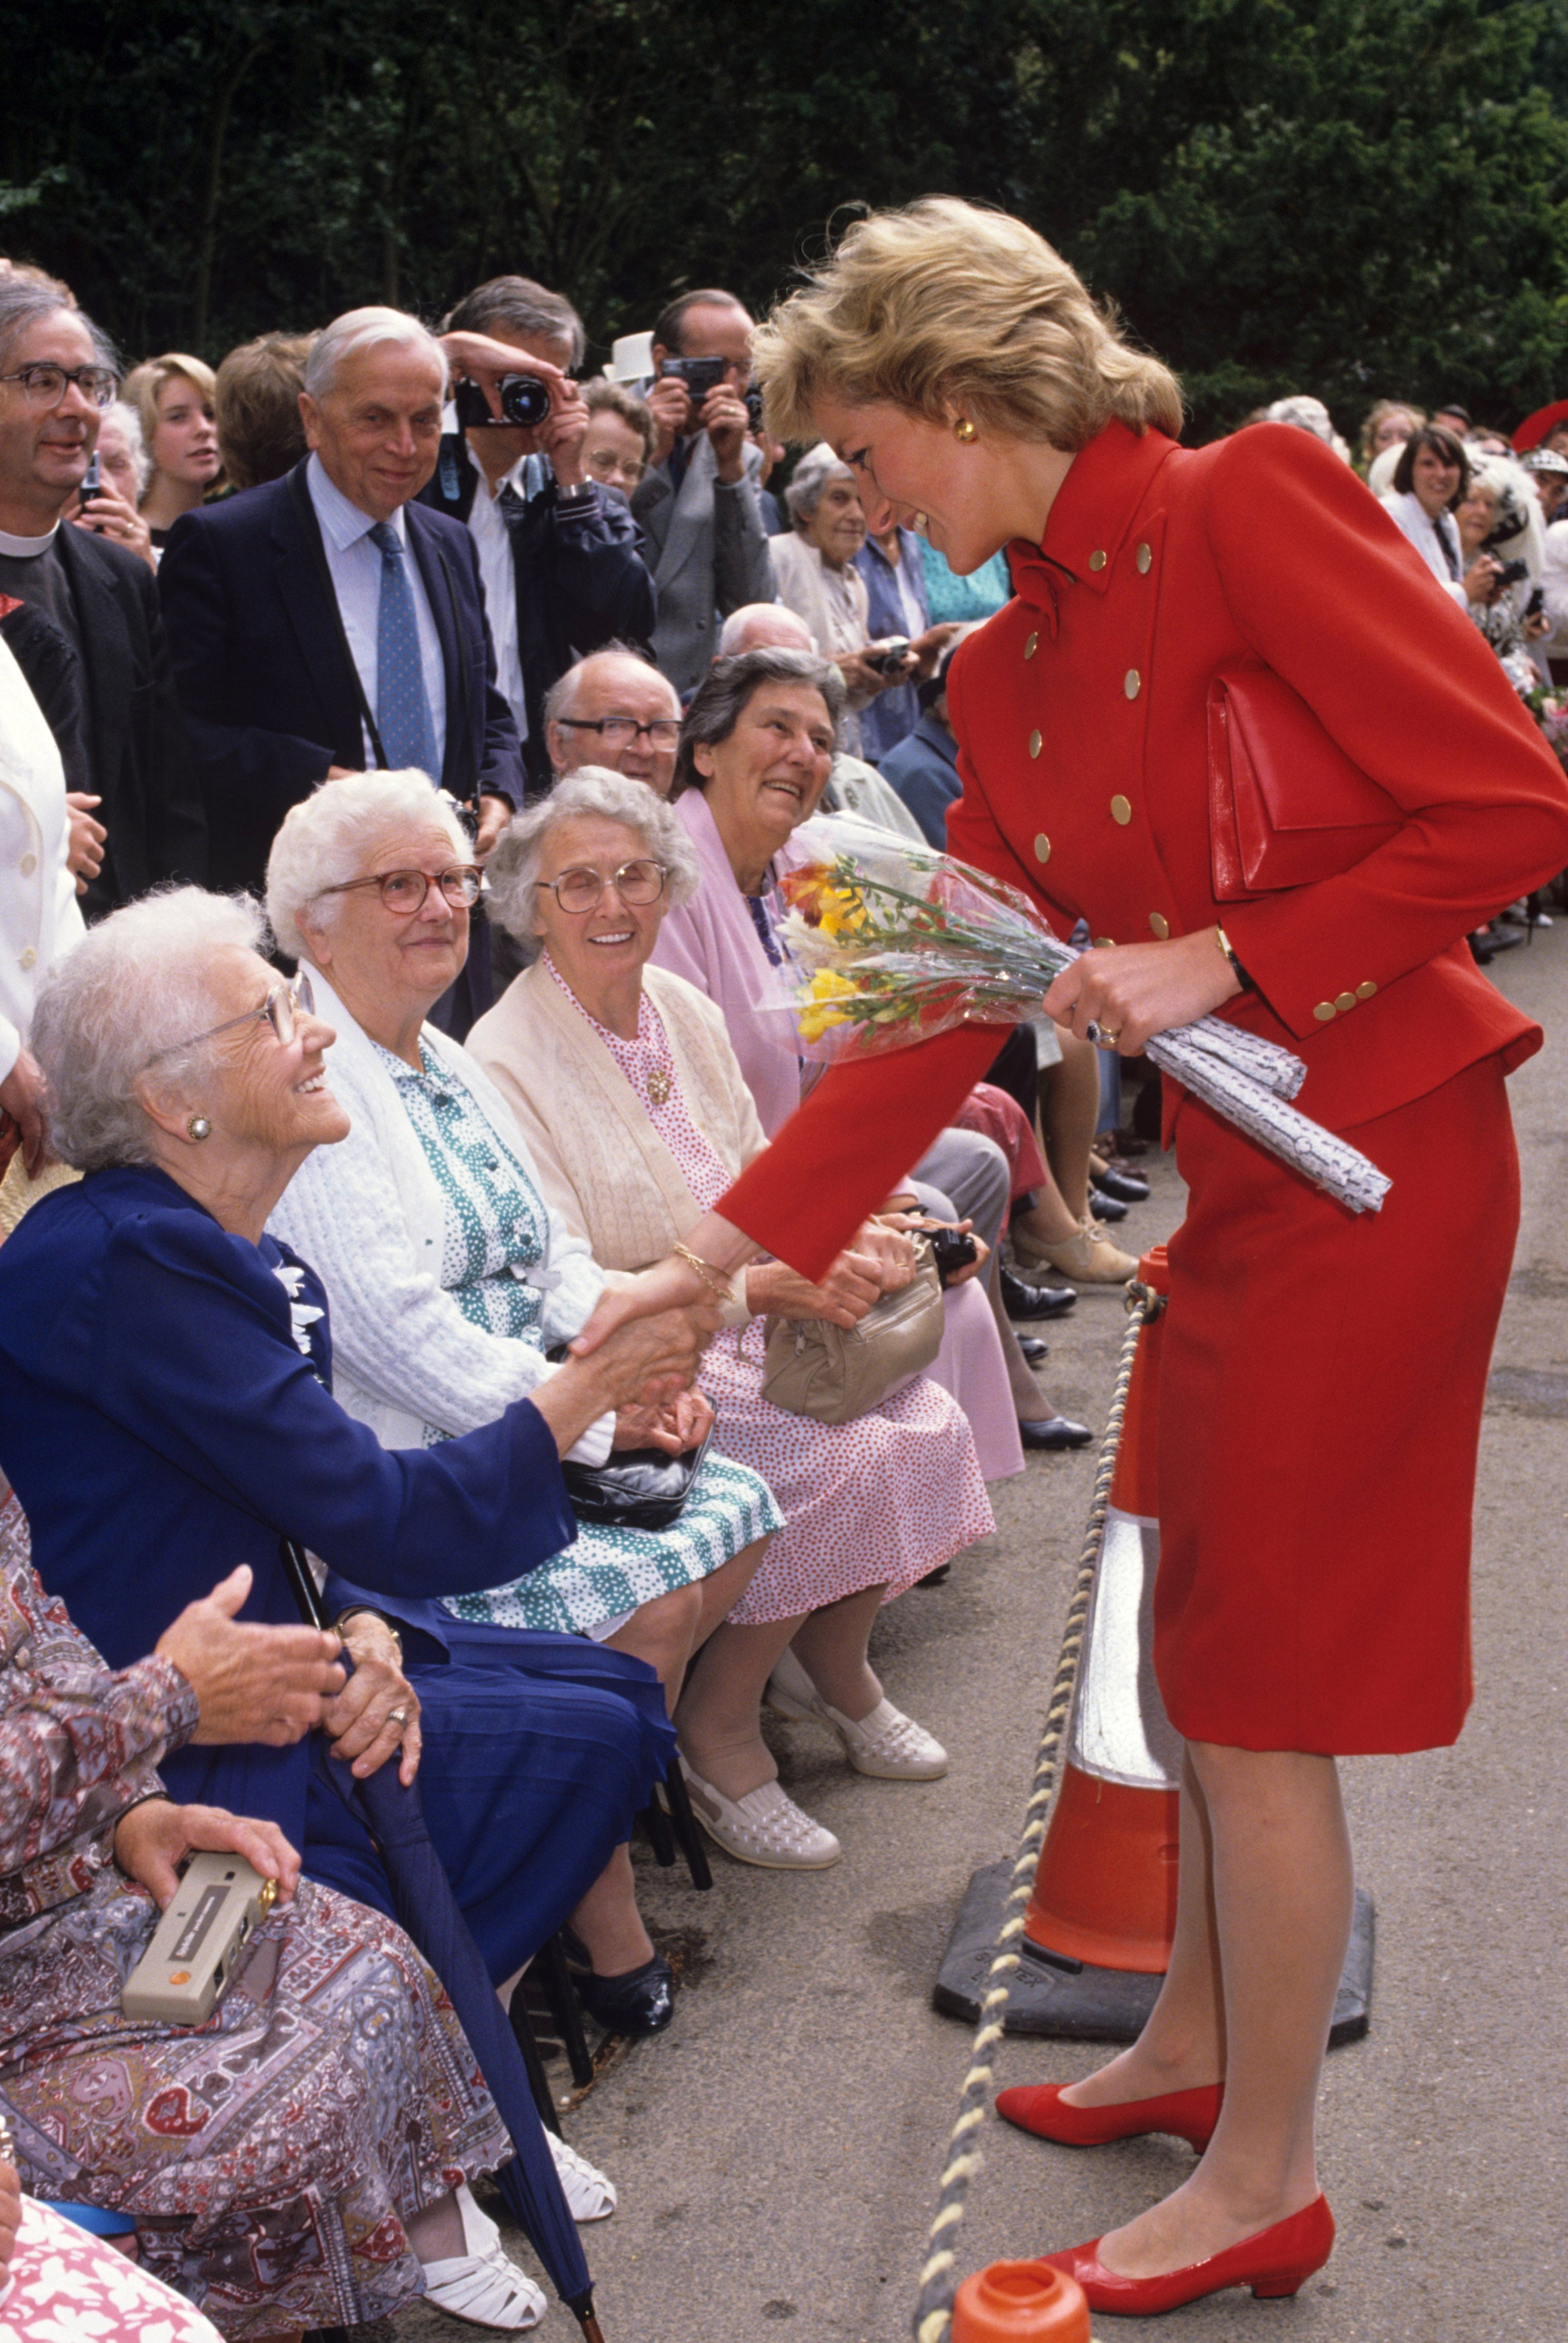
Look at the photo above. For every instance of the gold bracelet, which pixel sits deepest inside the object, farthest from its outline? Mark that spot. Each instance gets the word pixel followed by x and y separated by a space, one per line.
pixel 363 1611
pixel 1234 965
pixel 714 1279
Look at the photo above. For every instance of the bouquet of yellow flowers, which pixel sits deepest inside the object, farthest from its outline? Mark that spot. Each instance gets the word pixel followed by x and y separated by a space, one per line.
pixel 886 944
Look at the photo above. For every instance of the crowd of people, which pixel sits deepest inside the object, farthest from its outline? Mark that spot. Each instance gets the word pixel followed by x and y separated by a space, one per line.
pixel 402 733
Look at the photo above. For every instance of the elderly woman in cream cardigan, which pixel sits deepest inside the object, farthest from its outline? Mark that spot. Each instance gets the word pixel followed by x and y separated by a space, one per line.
pixel 637 1117
pixel 450 1279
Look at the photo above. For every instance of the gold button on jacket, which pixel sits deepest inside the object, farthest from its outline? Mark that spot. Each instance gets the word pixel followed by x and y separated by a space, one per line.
pixel 1042 848
pixel 1097 561
pixel 1132 683
pixel 1034 744
pixel 1343 1001
pixel 1324 1010
pixel 1030 647
pixel 1144 557
pixel 1160 925
pixel 1121 810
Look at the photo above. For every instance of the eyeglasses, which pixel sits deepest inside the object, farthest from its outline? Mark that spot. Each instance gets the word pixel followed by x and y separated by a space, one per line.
pixel 44 385
pixel 621 731
pixel 278 1008
pixel 580 889
pixel 404 891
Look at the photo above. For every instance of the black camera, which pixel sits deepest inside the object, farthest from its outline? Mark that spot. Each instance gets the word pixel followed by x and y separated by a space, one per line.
pixel 952 1250
pixel 754 409
pixel 699 374
pixel 525 401
pixel 883 658
pixel 92 480
pixel 1512 572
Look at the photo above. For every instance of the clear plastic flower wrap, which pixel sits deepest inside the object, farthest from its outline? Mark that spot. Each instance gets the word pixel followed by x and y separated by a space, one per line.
pixel 886 944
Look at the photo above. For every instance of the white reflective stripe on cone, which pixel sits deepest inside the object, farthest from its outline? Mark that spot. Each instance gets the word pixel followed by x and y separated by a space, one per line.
pixel 1120 1731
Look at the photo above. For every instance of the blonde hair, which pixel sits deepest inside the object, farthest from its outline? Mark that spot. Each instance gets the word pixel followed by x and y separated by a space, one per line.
pixel 143 386
pixel 945 306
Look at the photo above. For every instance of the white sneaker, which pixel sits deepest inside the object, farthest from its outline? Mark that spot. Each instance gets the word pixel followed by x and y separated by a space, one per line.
pixel 589 2195
pixel 886 1744
pixel 482 2286
pixel 763 1827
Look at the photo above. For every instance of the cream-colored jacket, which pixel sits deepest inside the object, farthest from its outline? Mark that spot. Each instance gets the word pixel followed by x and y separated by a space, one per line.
pixel 606 1173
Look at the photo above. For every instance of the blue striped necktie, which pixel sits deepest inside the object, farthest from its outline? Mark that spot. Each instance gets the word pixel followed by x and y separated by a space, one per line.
pixel 402 708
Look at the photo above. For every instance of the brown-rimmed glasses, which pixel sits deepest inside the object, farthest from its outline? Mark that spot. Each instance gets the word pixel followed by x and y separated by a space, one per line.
pixel 278 1008
pixel 404 891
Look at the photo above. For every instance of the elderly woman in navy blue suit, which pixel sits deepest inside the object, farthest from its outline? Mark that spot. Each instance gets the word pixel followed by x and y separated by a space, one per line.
pixel 165 1411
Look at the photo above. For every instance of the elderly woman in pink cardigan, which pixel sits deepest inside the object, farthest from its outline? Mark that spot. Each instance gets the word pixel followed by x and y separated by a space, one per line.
pixel 637 1117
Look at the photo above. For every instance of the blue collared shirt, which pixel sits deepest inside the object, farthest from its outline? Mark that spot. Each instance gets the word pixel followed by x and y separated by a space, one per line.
pixel 355 568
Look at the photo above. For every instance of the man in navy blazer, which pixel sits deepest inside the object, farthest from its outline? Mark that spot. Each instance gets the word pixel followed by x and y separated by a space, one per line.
pixel 282 605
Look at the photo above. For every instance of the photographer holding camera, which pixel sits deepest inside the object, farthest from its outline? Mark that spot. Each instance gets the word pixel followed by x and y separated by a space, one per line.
pixel 698 504
pixel 559 555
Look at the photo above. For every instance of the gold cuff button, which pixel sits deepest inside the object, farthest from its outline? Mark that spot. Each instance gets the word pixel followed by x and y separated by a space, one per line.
pixel 1097 561
pixel 1121 810
pixel 1132 683
pixel 1105 943
pixel 1160 925
pixel 1144 557
pixel 1324 1010
pixel 1035 744
pixel 1042 848
pixel 1343 1001
pixel 1031 646
pixel 1364 991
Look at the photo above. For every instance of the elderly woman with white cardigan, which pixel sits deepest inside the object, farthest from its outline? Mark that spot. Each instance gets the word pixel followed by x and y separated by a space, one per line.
pixel 449 1278
pixel 639 1117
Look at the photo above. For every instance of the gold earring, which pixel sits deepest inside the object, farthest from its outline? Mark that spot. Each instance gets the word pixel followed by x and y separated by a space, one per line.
pixel 922 522
pixel 965 430
pixel 199 1127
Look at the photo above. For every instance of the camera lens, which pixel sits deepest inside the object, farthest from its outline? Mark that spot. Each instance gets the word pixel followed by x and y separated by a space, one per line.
pixel 524 399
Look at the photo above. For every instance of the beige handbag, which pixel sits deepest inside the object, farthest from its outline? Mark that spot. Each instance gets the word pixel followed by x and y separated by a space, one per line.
pixel 835 1374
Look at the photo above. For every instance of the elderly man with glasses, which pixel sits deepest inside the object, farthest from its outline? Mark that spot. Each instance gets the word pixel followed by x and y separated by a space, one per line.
pixel 614 709
pixel 94 650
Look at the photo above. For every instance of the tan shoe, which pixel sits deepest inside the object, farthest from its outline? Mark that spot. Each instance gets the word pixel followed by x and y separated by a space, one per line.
pixel 1088 1257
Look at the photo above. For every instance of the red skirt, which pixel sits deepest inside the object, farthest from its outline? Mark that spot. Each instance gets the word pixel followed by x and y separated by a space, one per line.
pixel 1320 1413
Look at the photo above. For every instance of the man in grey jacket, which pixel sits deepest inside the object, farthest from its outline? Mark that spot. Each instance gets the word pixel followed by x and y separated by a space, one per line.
pixel 698 507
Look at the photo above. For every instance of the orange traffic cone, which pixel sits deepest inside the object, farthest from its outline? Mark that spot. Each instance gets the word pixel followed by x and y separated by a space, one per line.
pixel 1105 1889
pixel 1020 2302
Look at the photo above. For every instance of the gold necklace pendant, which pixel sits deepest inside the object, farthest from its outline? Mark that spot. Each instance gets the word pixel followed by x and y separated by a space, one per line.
pixel 659 1084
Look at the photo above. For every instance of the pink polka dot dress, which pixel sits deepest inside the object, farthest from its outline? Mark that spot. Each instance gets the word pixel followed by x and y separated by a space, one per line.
pixel 876 1503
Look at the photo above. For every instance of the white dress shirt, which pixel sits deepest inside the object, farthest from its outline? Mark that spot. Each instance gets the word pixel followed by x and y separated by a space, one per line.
pixel 40 919
pixel 355 565
pixel 493 544
pixel 1411 516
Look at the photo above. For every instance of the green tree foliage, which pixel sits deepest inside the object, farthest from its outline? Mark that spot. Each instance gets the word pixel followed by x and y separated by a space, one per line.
pixel 1281 195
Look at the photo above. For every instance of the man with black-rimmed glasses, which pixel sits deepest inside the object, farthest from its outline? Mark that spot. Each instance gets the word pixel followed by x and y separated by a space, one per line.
pixel 93 647
pixel 614 708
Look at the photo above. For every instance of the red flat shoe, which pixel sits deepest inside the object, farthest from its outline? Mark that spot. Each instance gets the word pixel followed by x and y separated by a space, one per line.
pixel 1277 2262
pixel 1040 2108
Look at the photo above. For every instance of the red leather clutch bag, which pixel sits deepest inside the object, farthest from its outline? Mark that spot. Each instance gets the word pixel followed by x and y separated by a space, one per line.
pixel 1286 807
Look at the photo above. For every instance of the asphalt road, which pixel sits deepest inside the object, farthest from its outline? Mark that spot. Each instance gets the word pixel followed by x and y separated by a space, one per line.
pixel 776 2149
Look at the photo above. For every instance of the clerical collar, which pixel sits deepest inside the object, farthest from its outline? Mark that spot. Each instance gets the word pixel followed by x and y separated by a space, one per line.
pixel 27 549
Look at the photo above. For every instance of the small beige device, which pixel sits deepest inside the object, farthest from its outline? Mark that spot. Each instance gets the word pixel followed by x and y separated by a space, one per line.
pixel 196 1946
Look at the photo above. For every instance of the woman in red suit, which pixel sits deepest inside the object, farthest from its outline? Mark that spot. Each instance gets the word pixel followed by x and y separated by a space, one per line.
pixel 1323 1374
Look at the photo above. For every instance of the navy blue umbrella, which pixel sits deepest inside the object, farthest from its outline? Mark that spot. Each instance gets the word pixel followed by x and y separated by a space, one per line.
pixel 429 1913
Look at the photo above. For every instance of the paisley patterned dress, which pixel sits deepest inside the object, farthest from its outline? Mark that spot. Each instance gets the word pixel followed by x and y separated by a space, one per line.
pixel 270 2156
pixel 495 1266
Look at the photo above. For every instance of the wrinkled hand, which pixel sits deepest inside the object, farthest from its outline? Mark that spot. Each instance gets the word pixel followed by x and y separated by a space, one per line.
pixel 494 813
pixel 724 418
pixel 891 1250
pixel 485 360
pixel 22 1098
pixel 377 1711
pixel 110 516
pixel 851 1287
pixel 649 1362
pixel 669 1284
pixel 153 1839
pixel 1136 990
pixel 683 1423
pixel 923 1222
pixel 85 854
pixel 670 404
pixel 254 1683
pixel 861 681
pixel 10 2214
pixel 1482 579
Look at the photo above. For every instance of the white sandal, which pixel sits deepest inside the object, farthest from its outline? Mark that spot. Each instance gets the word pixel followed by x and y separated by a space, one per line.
pixel 482 2286
pixel 590 2195
pixel 764 1827
pixel 886 1744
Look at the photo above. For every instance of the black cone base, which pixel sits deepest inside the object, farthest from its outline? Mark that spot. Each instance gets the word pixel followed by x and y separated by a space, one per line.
pixel 1091 2004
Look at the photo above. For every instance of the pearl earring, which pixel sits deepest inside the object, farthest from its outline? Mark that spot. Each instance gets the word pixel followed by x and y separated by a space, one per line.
pixel 922 522
pixel 199 1127
pixel 965 430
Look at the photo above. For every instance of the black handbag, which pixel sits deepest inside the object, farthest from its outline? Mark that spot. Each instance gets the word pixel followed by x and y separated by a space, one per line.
pixel 634 1488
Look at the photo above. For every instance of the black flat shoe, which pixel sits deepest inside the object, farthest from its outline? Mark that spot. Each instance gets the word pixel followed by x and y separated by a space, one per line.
pixel 1055 1431
pixel 1033 1349
pixel 1023 1302
pixel 1105 1206
pixel 1127 1187
pixel 639 2001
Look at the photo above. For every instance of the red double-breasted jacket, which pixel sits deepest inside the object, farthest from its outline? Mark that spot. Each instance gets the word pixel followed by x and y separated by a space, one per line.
pixel 1081 712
